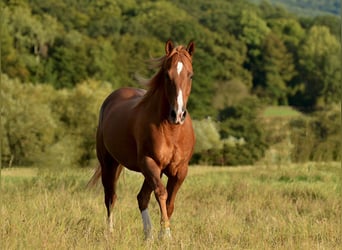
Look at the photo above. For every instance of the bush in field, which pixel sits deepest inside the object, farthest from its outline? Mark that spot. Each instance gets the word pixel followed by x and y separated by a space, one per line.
pixel 77 111
pixel 207 141
pixel 327 128
pixel 27 123
pixel 317 138
pixel 237 140
pixel 44 126
pixel 241 122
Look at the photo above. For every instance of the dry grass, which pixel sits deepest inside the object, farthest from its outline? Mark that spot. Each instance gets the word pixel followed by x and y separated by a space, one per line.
pixel 289 207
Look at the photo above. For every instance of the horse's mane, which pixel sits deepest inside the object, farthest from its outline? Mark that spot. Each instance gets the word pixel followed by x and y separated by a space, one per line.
pixel 163 63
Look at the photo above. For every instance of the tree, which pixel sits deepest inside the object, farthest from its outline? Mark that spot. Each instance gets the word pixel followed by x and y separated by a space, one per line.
pixel 278 70
pixel 320 67
pixel 207 135
pixel 229 93
pixel 254 30
pixel 241 122
pixel 77 112
pixel 208 145
pixel 289 31
pixel 71 59
pixel 105 18
pixel 27 124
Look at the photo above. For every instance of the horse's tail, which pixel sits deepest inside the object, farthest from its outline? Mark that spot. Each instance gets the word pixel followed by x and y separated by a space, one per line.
pixel 94 179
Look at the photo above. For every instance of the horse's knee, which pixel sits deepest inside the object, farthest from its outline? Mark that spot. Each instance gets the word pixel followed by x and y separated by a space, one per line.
pixel 160 193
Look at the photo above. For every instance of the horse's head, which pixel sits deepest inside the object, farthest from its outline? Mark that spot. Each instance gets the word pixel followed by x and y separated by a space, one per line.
pixel 178 79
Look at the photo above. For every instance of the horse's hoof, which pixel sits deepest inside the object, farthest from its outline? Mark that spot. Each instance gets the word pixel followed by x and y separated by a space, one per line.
pixel 110 230
pixel 148 236
pixel 165 234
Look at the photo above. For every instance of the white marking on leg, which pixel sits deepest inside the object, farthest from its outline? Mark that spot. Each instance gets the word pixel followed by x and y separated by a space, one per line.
pixel 165 233
pixel 147 223
pixel 179 67
pixel 110 223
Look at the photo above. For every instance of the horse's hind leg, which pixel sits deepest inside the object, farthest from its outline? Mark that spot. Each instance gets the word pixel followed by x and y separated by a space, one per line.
pixel 110 173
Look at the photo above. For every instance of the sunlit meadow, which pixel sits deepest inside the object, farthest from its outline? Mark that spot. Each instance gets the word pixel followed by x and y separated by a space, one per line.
pixel 259 207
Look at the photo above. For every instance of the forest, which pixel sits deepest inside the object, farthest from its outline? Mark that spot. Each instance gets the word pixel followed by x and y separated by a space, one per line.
pixel 310 7
pixel 60 59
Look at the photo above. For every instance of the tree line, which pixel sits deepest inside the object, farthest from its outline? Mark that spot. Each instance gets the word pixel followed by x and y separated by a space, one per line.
pixel 247 56
pixel 310 7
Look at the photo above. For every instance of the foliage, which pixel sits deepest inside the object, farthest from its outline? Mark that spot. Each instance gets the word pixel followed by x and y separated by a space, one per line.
pixel 241 121
pixel 310 8
pixel 207 141
pixel 242 50
pixel 108 40
pixel 317 138
pixel 27 125
pixel 77 111
pixel 319 70
pixel 42 126
pixel 207 135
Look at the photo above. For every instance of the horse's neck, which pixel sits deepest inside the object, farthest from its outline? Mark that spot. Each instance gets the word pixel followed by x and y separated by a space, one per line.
pixel 157 105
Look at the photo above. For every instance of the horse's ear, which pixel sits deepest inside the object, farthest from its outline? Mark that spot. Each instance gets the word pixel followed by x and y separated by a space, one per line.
pixel 169 47
pixel 191 48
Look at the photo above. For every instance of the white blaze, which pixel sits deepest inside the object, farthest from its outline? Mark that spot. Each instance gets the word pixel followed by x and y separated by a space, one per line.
pixel 180 102
pixel 179 67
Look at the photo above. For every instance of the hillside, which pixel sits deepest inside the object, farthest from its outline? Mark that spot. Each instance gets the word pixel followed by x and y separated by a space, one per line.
pixel 309 8
pixel 247 56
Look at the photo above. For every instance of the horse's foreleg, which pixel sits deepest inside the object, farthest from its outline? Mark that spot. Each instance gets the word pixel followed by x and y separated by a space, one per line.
pixel 173 185
pixel 152 175
pixel 143 200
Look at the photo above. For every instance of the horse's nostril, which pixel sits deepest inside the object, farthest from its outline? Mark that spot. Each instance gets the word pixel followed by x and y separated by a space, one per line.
pixel 183 115
pixel 173 114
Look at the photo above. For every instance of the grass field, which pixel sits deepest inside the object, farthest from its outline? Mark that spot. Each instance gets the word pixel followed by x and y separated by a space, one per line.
pixel 280 111
pixel 289 207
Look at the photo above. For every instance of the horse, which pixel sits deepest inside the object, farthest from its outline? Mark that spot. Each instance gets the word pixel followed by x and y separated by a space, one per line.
pixel 149 131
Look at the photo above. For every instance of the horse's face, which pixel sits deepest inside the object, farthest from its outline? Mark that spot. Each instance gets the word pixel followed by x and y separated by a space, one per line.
pixel 178 80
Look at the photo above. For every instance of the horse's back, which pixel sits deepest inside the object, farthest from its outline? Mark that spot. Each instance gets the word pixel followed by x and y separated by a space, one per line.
pixel 122 95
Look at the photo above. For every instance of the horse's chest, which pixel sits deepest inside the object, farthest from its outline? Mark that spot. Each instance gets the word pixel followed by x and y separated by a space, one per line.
pixel 169 149
pixel 170 154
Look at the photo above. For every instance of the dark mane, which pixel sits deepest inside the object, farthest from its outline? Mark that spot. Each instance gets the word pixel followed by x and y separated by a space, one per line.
pixel 163 63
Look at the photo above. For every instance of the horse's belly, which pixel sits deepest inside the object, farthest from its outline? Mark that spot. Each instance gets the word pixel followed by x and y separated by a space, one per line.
pixel 118 138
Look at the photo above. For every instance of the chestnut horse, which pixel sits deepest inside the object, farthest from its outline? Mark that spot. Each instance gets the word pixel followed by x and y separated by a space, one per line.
pixel 149 132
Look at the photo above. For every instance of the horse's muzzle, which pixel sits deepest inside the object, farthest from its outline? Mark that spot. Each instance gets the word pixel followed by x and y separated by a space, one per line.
pixel 177 118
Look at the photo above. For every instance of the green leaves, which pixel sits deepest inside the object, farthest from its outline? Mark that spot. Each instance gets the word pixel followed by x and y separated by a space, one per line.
pixel 26 121
pixel 242 50
pixel 320 64
pixel 41 125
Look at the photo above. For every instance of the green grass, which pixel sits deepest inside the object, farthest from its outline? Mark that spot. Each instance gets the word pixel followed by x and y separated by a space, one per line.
pixel 288 207
pixel 280 111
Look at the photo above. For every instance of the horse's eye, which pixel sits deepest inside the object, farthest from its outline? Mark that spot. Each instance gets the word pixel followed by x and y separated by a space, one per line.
pixel 190 76
pixel 167 77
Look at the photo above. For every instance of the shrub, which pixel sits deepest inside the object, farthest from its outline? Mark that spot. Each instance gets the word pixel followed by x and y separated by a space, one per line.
pixel 241 121
pixel 207 141
pixel 44 126
pixel 317 138
pixel 27 123
pixel 77 111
